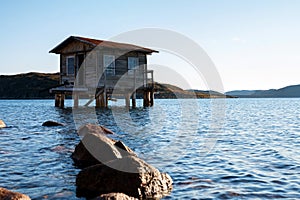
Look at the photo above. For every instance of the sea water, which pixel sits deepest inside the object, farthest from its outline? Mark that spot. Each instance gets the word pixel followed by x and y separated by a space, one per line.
pixel 212 148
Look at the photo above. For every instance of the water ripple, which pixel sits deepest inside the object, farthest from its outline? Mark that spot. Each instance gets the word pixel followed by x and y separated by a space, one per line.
pixel 256 155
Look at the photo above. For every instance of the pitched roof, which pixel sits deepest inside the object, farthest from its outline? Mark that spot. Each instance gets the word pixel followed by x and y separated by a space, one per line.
pixel 102 43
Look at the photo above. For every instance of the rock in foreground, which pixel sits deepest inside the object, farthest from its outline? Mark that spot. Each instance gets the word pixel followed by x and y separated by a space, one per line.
pixel 96 148
pixel 2 124
pixel 52 123
pixel 9 195
pixel 115 196
pixel 129 175
pixel 93 128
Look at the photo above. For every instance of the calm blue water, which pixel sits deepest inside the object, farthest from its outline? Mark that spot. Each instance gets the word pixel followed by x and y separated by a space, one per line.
pixel 213 149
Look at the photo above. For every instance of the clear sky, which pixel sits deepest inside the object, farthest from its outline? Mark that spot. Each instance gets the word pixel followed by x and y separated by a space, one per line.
pixel 255 44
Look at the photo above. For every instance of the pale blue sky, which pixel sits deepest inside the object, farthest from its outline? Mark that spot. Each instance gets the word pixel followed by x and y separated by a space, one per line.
pixel 255 44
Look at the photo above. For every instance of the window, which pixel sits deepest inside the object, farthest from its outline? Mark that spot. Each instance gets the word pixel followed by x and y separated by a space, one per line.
pixel 133 62
pixel 70 65
pixel 109 64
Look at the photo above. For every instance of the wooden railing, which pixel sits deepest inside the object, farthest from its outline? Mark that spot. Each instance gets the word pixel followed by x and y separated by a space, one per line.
pixel 128 80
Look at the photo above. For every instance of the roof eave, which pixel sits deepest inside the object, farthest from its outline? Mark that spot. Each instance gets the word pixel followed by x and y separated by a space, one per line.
pixel 57 49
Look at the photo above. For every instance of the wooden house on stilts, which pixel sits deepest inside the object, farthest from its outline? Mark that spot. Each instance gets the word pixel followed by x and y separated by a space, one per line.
pixel 102 70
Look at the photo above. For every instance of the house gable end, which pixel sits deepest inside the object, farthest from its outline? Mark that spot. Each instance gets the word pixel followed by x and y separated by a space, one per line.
pixel 72 45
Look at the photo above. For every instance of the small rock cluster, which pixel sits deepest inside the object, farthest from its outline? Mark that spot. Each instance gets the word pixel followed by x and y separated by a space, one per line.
pixel 111 170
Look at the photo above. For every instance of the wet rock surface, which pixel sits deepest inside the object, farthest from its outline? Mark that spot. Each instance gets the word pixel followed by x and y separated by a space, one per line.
pixel 52 123
pixel 129 175
pixel 93 128
pixel 2 124
pixel 114 196
pixel 96 148
pixel 10 195
pixel 111 170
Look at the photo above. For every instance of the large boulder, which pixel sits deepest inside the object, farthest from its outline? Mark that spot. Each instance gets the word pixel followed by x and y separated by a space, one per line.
pixel 114 196
pixel 129 175
pixel 9 195
pixel 96 148
pixel 93 128
pixel 52 123
pixel 2 124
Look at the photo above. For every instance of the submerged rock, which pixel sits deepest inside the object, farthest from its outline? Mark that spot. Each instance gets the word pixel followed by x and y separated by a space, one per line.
pixel 114 196
pixel 2 124
pixel 93 128
pixel 96 148
pixel 52 123
pixel 10 195
pixel 129 175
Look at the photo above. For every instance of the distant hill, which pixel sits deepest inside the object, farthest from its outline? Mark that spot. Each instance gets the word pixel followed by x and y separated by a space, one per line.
pixel 286 92
pixel 36 86
pixel 241 92
pixel 168 91
pixel 27 86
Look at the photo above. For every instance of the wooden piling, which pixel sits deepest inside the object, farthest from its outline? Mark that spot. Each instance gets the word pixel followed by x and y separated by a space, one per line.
pixel 57 100
pixel 146 101
pixel 62 101
pixel 127 100
pixel 133 100
pixel 98 101
pixel 105 98
pixel 151 98
pixel 76 100
pixel 102 101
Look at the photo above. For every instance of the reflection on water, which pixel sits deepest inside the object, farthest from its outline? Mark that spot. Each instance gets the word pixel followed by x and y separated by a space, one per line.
pixel 251 150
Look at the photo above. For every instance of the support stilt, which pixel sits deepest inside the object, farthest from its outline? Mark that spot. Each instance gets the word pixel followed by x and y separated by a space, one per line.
pixel 98 102
pixel 146 101
pixel 127 100
pixel 102 101
pixel 105 98
pixel 76 100
pixel 151 95
pixel 57 100
pixel 62 101
pixel 133 100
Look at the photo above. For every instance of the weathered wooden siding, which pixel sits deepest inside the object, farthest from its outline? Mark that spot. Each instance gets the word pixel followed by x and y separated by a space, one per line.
pixel 91 70
pixel 92 67
pixel 63 72
pixel 76 47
